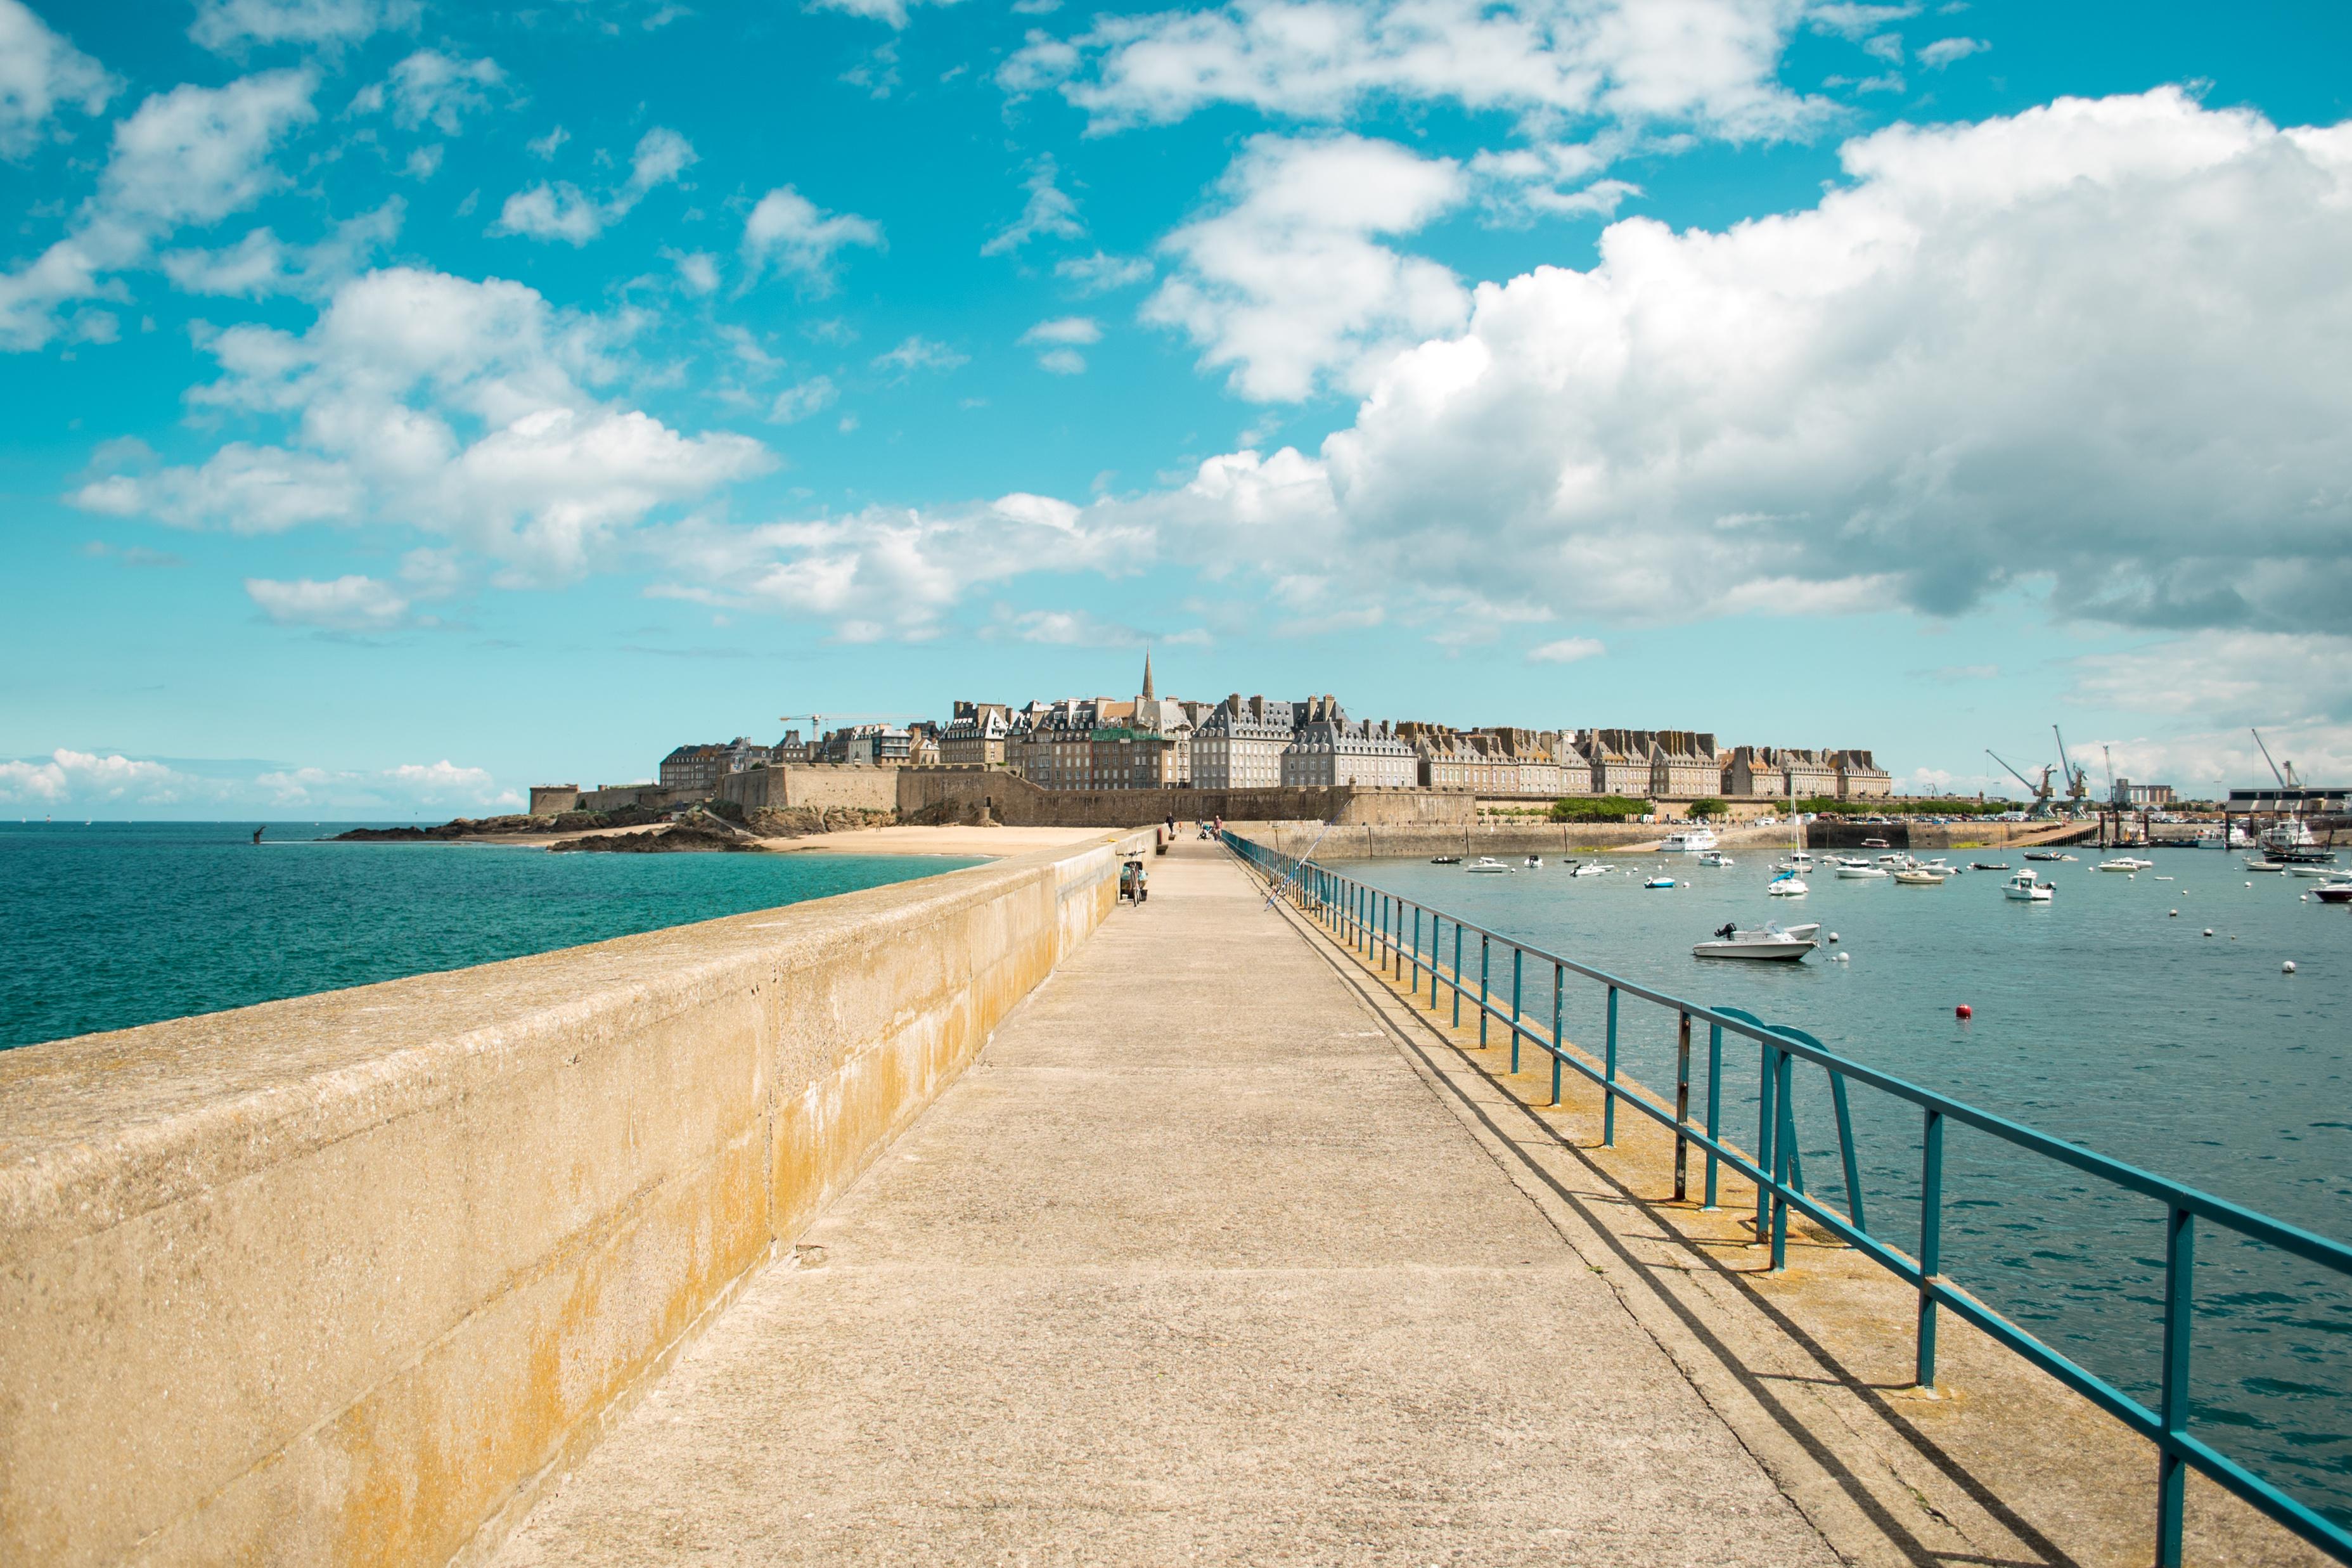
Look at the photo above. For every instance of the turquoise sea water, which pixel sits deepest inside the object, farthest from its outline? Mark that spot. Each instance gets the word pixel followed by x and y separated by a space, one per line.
pixel 115 924
pixel 2101 1017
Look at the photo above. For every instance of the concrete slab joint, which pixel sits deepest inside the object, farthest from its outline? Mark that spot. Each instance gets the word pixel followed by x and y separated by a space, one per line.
pixel 349 1279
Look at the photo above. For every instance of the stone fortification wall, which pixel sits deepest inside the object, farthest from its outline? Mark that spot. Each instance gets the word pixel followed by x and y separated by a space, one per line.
pixel 816 786
pixel 348 1278
pixel 653 797
pixel 960 795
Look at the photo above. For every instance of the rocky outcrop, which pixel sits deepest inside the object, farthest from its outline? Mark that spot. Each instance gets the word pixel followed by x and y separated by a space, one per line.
pixel 800 822
pixel 698 832
pixel 491 826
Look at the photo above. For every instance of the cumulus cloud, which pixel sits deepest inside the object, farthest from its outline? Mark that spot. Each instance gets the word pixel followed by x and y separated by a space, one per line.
pixel 455 407
pixel 1049 211
pixel 802 399
pixel 919 352
pixel 1059 341
pixel 790 234
pixel 230 27
pixel 192 155
pixel 1710 62
pixel 68 777
pixel 39 73
pixel 1567 650
pixel 430 87
pixel 892 13
pixel 260 265
pixel 1286 284
pixel 1944 51
pixel 563 211
pixel 351 603
pixel 1099 274
pixel 2093 350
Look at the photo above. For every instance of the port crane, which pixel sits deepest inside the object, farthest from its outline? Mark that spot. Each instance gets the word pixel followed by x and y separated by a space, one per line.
pixel 2043 794
pixel 817 721
pixel 2288 779
pixel 2078 781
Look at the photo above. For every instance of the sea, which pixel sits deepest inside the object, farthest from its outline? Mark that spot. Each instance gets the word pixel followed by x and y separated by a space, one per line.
pixel 105 925
pixel 2148 1016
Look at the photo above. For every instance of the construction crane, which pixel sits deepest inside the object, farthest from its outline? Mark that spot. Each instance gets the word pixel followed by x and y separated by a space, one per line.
pixel 817 721
pixel 2043 793
pixel 2078 782
pixel 2287 779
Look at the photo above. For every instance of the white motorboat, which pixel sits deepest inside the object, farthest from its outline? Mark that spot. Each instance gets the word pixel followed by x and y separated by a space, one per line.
pixel 2027 889
pixel 2264 865
pixel 1788 884
pixel 1805 932
pixel 1914 878
pixel 1716 858
pixel 2126 864
pixel 1794 860
pixel 1589 869
pixel 1771 943
pixel 1661 880
pixel 1487 866
pixel 1853 873
pixel 2324 872
pixel 1689 838
pixel 1534 862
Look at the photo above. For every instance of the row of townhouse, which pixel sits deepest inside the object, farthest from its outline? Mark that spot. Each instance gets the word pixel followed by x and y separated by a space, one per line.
pixel 1788 773
pixel 1239 743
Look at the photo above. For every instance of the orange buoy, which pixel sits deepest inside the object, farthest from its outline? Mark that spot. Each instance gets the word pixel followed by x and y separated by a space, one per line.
pixel 1964 1011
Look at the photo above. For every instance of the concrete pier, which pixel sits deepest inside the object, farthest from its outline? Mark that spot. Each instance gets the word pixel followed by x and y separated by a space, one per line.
pixel 1192 1266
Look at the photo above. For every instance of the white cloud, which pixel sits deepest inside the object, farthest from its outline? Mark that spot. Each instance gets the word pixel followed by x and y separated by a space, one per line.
pixel 1049 211
pixel 563 211
pixel 434 87
pixel 1886 46
pixel 893 13
pixel 192 155
pixel 790 233
pixel 543 147
pixel 1099 274
pixel 259 265
pixel 1286 284
pixel 1058 337
pixel 445 405
pixel 351 603
pixel 2097 346
pixel 799 401
pixel 39 72
pixel 64 777
pixel 228 26
pixel 84 782
pixel 1710 62
pixel 1944 51
pixel 1567 650
pixel 919 352
pixel 1856 23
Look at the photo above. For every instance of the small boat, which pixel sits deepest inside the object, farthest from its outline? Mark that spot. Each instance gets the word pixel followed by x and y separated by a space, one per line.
pixel 1788 884
pixel 1769 943
pixel 2264 865
pixel 1917 878
pixel 2327 872
pixel 1659 881
pixel 1487 866
pixel 1988 865
pixel 1589 869
pixel 1848 872
pixel 2333 893
pixel 1535 862
pixel 1795 861
pixel 2046 854
pixel 1690 839
pixel 2027 889
pixel 1873 844
pixel 2125 863
pixel 1446 859
pixel 1715 858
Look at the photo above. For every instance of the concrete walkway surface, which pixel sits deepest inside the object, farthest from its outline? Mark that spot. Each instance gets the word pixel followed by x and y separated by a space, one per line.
pixel 1192 1267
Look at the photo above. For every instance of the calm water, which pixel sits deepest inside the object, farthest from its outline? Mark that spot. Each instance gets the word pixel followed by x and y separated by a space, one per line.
pixel 106 926
pixel 2100 1017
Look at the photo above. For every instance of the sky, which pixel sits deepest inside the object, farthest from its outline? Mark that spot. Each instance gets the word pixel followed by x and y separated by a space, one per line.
pixel 409 403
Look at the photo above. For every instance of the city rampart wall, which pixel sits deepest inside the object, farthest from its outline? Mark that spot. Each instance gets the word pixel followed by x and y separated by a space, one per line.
pixel 349 1279
pixel 818 787
pixel 961 794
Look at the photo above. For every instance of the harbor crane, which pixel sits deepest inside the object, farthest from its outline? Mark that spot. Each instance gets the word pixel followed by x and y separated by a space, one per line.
pixel 817 721
pixel 2286 779
pixel 2078 782
pixel 2043 794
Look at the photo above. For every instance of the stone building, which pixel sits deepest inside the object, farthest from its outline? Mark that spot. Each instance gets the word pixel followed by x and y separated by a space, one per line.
pixel 1779 773
pixel 977 736
pixel 1682 766
pixel 1328 749
pixel 878 745
pixel 1620 760
pixel 1859 778
pixel 1113 757
pixel 701 767
pixel 1240 744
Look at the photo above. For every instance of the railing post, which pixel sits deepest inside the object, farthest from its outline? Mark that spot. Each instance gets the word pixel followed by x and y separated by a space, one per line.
pixel 1483 943
pixel 1609 1079
pixel 1784 1153
pixel 1714 1104
pixel 1415 989
pixel 1559 980
pixel 1682 1109
pixel 1457 975
pixel 1931 1242
pixel 1518 963
pixel 1845 1150
pixel 2180 1318
pixel 1767 1124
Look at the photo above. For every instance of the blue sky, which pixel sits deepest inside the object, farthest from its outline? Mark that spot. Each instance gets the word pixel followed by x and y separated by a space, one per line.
pixel 408 404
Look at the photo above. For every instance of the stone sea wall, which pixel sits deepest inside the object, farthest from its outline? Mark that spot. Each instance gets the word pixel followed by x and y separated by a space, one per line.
pixel 961 794
pixel 349 1279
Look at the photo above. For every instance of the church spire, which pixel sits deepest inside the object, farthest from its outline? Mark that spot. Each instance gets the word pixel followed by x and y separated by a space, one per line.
pixel 1147 693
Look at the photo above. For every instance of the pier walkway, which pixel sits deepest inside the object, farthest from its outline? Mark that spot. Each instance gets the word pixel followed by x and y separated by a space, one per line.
pixel 1194 1265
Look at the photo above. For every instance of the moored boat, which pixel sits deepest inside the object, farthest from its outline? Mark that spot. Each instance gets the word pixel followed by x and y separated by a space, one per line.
pixel 2027 888
pixel 1848 872
pixel 1689 838
pixel 1914 878
pixel 1772 944
pixel 1487 865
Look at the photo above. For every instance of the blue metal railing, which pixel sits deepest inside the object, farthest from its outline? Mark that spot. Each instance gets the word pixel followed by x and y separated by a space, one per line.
pixel 1372 922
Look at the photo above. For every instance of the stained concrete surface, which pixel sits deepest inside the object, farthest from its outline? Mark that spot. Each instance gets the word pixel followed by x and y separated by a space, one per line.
pixel 1192 1267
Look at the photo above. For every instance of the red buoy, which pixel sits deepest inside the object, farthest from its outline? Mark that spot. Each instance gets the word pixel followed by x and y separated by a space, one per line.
pixel 1964 1011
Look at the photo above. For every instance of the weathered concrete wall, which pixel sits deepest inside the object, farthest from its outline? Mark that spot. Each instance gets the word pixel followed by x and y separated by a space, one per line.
pixel 818 787
pixel 347 1279
pixel 964 793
